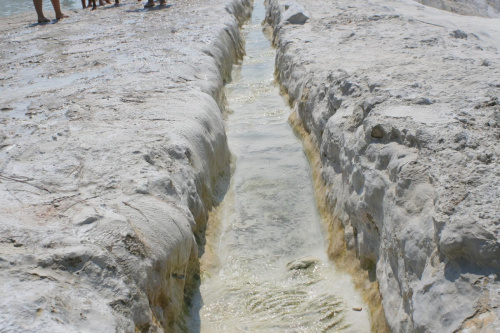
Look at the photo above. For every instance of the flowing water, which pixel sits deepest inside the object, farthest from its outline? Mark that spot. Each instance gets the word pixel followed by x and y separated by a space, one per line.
pixel 12 7
pixel 265 268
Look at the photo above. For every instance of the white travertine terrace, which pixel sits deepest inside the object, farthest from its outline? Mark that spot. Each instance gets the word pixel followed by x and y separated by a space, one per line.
pixel 112 149
pixel 401 104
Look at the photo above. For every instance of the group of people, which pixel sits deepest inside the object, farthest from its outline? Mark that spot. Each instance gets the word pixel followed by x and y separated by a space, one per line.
pixel 39 10
pixel 60 15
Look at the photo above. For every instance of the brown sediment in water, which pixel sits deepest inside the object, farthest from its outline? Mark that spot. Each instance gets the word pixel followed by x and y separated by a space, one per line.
pixel 345 259
pixel 209 258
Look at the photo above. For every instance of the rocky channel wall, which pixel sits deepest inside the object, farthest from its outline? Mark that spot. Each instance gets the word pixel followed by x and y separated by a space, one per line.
pixel 112 151
pixel 399 103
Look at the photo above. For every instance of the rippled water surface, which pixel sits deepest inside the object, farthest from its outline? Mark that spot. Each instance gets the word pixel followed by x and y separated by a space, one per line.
pixel 12 7
pixel 265 268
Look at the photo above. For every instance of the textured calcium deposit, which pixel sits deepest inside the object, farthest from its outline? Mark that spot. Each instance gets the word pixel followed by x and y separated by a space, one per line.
pixel 487 8
pixel 402 102
pixel 112 149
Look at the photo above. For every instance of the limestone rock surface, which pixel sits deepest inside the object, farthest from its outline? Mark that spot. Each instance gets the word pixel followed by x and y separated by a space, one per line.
pixel 402 101
pixel 486 8
pixel 112 149
pixel 294 13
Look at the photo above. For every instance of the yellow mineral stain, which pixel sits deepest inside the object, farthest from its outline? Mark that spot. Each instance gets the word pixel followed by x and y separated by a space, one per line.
pixel 344 258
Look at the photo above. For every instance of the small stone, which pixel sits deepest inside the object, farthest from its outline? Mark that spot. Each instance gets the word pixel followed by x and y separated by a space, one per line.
pixel 142 189
pixel 485 63
pixel 377 132
pixel 423 101
pixel 485 158
pixel 295 14
pixel 303 263
pixel 357 309
pixel 459 34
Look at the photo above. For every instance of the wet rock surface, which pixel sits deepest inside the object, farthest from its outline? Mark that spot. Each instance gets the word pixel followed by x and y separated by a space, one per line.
pixel 302 263
pixel 112 149
pixel 401 100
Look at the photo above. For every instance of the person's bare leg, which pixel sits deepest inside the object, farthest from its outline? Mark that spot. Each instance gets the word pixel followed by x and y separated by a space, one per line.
pixel 84 4
pixel 39 11
pixel 57 9
pixel 151 3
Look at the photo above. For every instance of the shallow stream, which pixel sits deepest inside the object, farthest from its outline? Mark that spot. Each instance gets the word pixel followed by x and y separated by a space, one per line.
pixel 13 7
pixel 265 267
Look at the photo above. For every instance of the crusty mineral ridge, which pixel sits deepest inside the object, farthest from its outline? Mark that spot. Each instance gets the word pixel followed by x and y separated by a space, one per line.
pixel 402 101
pixel 112 148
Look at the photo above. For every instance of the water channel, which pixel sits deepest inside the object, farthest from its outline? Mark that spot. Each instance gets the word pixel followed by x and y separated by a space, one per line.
pixel 265 267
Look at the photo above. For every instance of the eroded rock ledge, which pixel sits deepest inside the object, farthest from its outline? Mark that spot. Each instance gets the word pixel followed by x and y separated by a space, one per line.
pixel 112 149
pixel 401 103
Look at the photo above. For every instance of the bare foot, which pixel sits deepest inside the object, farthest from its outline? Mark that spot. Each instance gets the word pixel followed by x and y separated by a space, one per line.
pixel 150 4
pixel 43 20
pixel 117 2
pixel 163 3
pixel 61 16
pixel 108 1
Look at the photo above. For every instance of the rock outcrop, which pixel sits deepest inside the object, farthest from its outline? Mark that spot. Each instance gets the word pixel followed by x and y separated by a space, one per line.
pixel 112 149
pixel 401 103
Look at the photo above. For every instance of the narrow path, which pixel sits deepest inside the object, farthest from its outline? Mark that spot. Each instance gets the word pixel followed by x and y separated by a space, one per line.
pixel 269 272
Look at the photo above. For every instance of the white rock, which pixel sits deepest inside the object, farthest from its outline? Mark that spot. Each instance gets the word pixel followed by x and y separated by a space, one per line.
pixel 112 163
pixel 408 177
pixel 294 13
